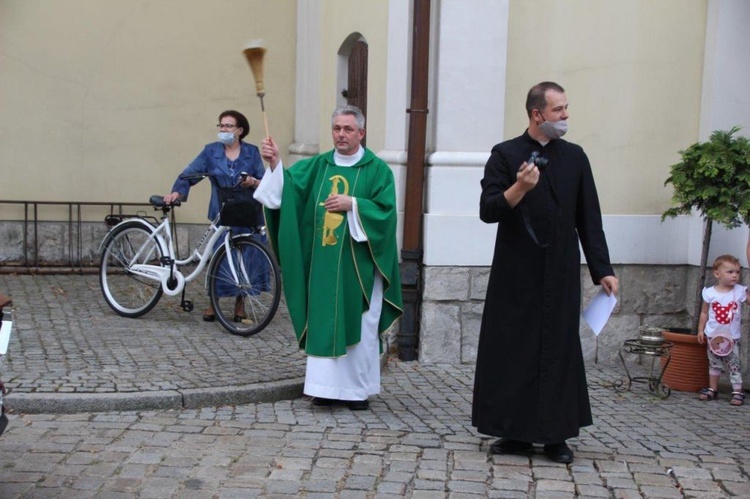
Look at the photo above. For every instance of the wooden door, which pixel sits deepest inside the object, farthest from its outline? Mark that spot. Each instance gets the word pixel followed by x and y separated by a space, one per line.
pixel 356 93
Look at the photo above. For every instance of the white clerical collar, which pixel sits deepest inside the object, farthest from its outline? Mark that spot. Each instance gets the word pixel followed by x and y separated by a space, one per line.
pixel 540 142
pixel 342 160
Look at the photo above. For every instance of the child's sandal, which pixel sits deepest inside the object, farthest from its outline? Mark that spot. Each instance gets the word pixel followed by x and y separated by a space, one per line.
pixel 738 398
pixel 708 394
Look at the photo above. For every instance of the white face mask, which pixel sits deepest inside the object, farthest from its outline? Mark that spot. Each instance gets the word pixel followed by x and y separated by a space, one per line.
pixel 226 138
pixel 553 129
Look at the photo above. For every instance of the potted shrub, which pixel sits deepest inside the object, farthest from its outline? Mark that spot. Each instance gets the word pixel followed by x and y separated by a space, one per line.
pixel 712 178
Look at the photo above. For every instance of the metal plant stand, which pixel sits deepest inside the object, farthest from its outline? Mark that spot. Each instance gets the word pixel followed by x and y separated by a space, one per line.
pixel 654 350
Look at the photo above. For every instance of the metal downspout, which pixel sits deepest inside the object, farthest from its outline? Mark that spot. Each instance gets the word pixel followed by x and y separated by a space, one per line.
pixel 411 250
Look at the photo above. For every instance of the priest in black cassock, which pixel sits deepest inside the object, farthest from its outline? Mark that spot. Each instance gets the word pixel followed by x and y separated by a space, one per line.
pixel 530 385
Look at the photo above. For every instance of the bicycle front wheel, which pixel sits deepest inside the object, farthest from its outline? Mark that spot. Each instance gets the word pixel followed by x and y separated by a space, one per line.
pixel 129 294
pixel 244 285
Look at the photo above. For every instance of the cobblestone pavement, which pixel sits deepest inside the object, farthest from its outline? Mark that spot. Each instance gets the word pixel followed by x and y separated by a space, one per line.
pixel 70 352
pixel 416 441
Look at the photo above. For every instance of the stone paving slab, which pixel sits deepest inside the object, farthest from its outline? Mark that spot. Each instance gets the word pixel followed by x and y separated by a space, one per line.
pixel 70 352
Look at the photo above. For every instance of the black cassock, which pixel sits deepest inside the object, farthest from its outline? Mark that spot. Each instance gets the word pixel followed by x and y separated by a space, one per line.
pixel 530 383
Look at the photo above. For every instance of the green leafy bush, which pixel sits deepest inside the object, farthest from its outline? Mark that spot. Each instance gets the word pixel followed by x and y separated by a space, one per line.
pixel 714 179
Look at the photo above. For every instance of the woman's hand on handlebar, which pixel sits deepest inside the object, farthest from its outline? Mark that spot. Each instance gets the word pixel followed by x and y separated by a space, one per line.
pixel 248 181
pixel 172 197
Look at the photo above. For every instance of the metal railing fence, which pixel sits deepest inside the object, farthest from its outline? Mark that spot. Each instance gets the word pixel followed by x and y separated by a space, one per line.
pixel 73 253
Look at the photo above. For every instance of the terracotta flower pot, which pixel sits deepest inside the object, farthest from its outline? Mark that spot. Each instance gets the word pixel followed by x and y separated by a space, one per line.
pixel 688 369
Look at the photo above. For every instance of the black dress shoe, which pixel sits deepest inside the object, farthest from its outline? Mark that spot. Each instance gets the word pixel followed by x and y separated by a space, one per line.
pixel 320 401
pixel 508 446
pixel 559 453
pixel 358 405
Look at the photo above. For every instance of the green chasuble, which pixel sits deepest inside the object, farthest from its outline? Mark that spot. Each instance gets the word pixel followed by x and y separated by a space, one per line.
pixel 328 276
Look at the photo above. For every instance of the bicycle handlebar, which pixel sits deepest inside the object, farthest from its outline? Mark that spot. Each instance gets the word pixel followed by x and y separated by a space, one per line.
pixel 157 201
pixel 200 176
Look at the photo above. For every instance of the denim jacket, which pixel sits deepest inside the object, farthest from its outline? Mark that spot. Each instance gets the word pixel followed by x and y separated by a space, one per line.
pixel 213 160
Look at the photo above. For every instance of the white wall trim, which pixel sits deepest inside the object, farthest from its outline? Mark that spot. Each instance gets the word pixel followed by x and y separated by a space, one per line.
pixel 464 240
pixel 393 157
pixel 724 99
pixel 399 72
pixel 307 91
pixel 458 158
pixel 469 32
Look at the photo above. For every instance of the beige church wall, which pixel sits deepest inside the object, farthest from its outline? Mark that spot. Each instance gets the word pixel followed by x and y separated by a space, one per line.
pixel 109 101
pixel 339 20
pixel 632 71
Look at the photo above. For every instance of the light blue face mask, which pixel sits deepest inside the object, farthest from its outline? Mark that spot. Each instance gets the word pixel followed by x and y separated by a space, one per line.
pixel 226 138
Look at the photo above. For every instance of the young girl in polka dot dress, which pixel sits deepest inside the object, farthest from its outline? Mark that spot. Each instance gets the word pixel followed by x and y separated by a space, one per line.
pixel 720 315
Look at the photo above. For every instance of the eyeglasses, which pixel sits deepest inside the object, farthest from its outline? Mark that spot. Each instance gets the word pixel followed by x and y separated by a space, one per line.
pixel 228 126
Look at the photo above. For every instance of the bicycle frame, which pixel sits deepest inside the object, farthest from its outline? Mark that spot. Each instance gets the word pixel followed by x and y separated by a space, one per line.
pixel 172 280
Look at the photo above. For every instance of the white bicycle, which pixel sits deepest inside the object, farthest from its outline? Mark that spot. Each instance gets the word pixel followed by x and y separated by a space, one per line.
pixel 138 265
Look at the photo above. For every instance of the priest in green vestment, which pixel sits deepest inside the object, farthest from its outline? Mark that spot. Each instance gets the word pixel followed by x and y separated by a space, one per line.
pixel 332 223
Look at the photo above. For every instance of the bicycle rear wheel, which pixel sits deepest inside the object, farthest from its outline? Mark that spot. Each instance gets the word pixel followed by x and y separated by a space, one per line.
pixel 128 294
pixel 244 286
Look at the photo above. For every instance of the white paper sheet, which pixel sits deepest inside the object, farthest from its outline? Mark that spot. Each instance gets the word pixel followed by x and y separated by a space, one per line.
pixel 597 313
pixel 5 330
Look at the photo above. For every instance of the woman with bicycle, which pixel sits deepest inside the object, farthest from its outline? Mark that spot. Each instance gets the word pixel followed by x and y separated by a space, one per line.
pixel 225 161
